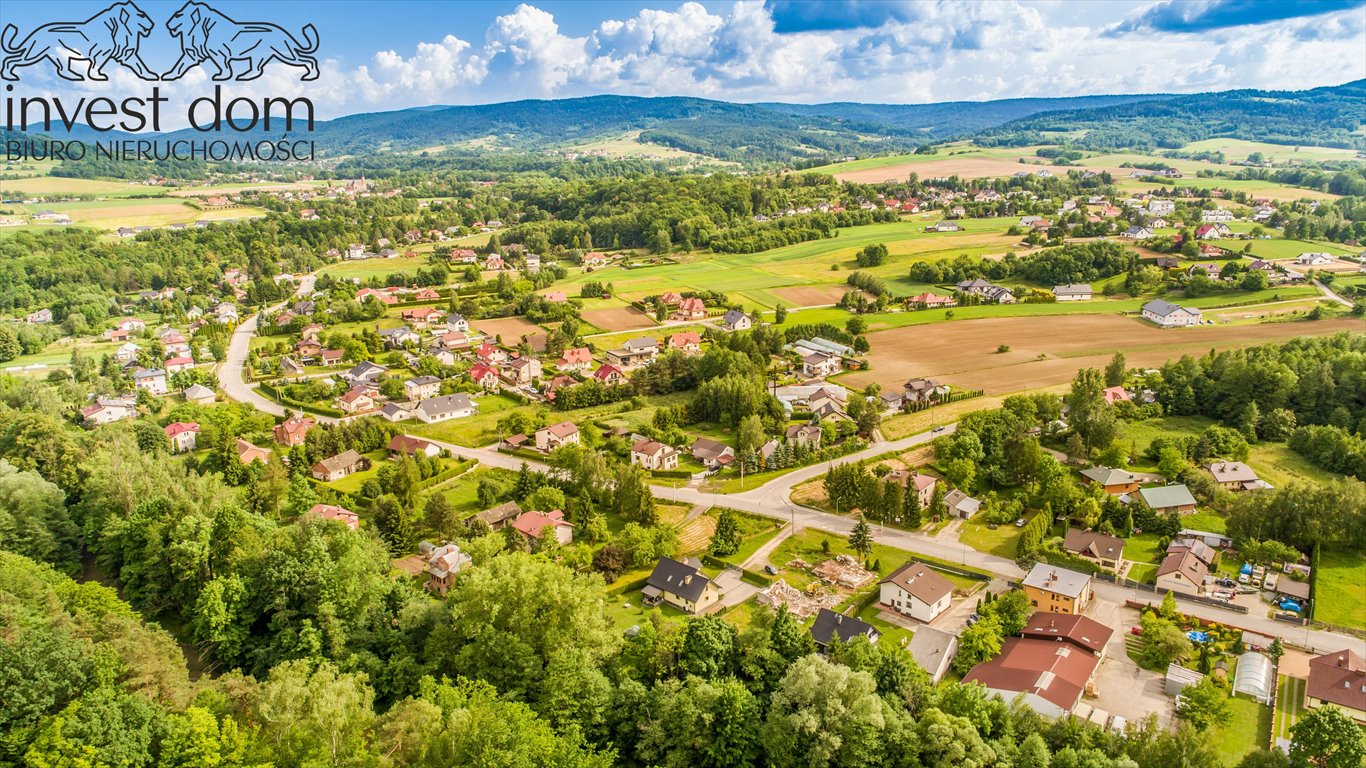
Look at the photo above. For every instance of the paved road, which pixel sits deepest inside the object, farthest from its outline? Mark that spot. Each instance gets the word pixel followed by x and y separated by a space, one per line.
pixel 1328 293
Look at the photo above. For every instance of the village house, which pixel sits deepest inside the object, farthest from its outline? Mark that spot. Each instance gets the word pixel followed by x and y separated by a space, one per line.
pixel 523 370
pixel 39 317
pixel 1211 270
pixel 1057 590
pixel 687 342
pixel 681 585
pixel 356 399
pixel 199 394
pixel 500 516
pixel 712 454
pixel 923 485
pixel 402 336
pixel 1073 292
pixel 1235 476
pixel 443 563
pixel 537 525
pixel 106 410
pixel 735 320
pixel 1049 666
pixel 917 591
pixel 933 650
pixel 609 375
pixel 292 431
pixel 485 376
pixel 821 364
pixel 689 309
pixel 455 322
pixel 420 387
pixel 930 301
pixel 336 467
pixel 333 512
pixel 183 435
pixel 1137 233
pixel 1182 572
pixel 422 317
pixel 1101 549
pixel 1314 259
pixel 992 294
pixel 438 409
pixel 127 352
pixel 1169 315
pixel 150 380
pixel 407 445
pixel 489 354
pixel 1161 207
pixel 654 455
pixel 920 390
pixel 961 505
pixel 804 435
pixel 1338 679
pixel 944 226
pixel 575 359
pixel 364 372
pixel 248 453
pixel 1113 481
pixel 1163 499
pixel 557 435
pixel 830 627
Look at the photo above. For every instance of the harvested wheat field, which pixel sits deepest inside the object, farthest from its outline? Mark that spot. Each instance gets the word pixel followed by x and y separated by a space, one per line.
pixel 512 329
pixel 1045 351
pixel 810 295
pixel 618 318
pixel 968 167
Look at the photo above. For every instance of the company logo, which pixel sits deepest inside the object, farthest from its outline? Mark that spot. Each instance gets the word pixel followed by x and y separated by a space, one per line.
pixel 81 50
pixel 208 36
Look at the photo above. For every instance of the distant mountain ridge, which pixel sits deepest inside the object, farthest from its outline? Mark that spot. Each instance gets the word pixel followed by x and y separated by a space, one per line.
pixel 784 134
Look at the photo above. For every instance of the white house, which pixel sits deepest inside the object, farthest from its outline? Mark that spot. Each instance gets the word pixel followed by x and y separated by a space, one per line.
pixel 445 408
pixel 1316 259
pixel 152 380
pixel 916 591
pixel 1169 315
pixel 1074 292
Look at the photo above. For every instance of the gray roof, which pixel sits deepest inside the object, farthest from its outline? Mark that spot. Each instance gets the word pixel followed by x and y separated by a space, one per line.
pixel 503 512
pixel 734 316
pixel 682 579
pixel 1075 289
pixel 435 406
pixel 933 649
pixel 961 502
pixel 1058 580
pixel 1167 496
pixel 1162 308
pixel 641 343
pixel 1109 476
pixel 829 624
pixel 197 391
pixel 424 380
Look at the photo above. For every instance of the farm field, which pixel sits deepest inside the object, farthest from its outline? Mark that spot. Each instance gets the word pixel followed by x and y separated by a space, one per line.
pixel 137 212
pixel 512 329
pixel 1340 589
pixel 368 268
pixel 1048 351
pixel 618 319
pixel 629 145
pixel 12 186
pixel 1239 149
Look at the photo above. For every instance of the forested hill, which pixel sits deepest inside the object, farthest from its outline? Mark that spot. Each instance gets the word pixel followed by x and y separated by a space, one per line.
pixel 1330 117
pixel 952 119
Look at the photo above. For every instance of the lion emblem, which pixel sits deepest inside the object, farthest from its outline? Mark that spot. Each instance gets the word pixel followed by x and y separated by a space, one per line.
pixel 113 34
pixel 209 37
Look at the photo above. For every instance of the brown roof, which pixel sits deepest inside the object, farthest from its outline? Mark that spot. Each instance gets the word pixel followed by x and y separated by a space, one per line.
pixel 1187 564
pixel 563 429
pixel 348 458
pixel 408 444
pixel 920 582
pixel 500 513
pixel 534 524
pixel 903 476
pixel 1094 544
pixel 649 447
pixel 1087 634
pixel 1339 678
pixel 1051 670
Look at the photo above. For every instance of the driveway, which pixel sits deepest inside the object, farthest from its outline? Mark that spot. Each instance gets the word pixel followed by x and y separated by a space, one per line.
pixel 1125 688
pixel 733 590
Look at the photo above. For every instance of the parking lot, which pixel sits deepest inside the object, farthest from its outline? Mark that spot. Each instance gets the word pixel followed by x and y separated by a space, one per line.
pixel 1125 688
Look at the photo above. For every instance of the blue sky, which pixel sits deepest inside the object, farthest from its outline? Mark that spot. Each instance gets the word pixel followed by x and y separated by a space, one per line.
pixel 402 53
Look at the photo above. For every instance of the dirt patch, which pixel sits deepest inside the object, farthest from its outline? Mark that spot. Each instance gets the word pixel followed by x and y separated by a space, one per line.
pixel 844 571
pixel 802 604
pixel 810 295
pixel 970 167
pixel 1046 351
pixel 619 319
pixel 512 329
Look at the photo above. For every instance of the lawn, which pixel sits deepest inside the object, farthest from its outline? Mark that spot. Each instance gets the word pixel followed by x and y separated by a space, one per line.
pixel 807 545
pixel 482 428
pixel 1248 728
pixel 352 483
pixel 894 634
pixel 755 531
pixel 1274 462
pixel 1340 589
pixel 627 610
pixel 1000 541
pixel 1289 704
pixel 368 268
pixel 463 492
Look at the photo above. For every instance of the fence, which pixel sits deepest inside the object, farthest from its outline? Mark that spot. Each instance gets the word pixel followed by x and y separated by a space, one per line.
pixel 1178 595
pixel 271 392
pixel 953 397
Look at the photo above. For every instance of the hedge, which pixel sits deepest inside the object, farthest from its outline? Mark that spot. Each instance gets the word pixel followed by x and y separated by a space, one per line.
pixel 460 468
pixel 681 473
pixel 629 586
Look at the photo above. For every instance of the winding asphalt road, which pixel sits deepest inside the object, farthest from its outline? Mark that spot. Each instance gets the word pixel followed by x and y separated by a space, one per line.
pixel 774 499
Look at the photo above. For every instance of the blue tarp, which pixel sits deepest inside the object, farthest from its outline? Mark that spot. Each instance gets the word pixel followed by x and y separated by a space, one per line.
pixel 1246 569
pixel 1198 637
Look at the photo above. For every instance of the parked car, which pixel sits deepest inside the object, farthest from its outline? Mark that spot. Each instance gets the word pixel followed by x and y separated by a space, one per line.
pixel 938 429
pixel 770 570
pixel 1225 582
pixel 1136 630
pixel 1020 523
